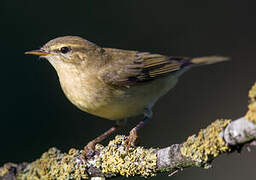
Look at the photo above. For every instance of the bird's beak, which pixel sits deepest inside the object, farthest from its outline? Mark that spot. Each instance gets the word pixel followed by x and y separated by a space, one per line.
pixel 38 52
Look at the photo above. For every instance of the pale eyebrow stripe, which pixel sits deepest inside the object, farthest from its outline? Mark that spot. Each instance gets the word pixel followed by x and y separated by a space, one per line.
pixel 58 46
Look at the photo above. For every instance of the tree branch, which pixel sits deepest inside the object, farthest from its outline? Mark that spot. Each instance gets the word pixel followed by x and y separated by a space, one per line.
pixel 222 136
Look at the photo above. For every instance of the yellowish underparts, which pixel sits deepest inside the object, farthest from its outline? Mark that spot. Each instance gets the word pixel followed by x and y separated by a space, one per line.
pixel 207 144
pixel 251 114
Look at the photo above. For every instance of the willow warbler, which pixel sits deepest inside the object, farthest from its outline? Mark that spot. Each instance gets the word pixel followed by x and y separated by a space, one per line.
pixel 112 83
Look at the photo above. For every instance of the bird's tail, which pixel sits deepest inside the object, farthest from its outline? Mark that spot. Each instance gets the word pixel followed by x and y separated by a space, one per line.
pixel 208 60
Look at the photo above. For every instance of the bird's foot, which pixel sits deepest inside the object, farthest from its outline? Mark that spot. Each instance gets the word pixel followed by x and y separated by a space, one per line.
pixel 132 139
pixel 89 150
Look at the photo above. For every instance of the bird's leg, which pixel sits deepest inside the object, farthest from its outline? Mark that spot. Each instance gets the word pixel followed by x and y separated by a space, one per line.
pixel 89 148
pixel 132 138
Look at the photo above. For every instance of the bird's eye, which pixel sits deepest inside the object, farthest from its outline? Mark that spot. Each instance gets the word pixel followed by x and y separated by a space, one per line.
pixel 64 50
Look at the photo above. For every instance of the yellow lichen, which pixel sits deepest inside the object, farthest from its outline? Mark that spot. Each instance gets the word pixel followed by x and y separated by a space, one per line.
pixel 110 160
pixel 116 160
pixel 207 144
pixel 251 114
pixel 3 171
pixel 55 165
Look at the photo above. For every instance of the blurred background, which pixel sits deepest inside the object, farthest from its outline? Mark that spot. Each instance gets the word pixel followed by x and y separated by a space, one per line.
pixel 35 115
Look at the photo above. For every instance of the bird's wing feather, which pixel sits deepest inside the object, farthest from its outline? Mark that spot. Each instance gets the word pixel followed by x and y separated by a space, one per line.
pixel 128 68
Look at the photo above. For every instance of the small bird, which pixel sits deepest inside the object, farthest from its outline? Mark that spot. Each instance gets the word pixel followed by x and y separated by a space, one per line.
pixel 112 83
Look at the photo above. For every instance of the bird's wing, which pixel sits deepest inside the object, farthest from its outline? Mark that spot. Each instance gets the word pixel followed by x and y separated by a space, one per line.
pixel 128 68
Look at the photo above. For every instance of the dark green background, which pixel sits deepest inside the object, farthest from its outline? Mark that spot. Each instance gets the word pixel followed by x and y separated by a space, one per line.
pixel 35 115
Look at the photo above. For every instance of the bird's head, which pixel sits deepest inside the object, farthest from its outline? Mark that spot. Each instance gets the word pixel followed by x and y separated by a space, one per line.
pixel 69 50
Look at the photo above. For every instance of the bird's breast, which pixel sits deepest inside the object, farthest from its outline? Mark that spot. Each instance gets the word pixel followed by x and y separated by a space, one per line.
pixel 95 97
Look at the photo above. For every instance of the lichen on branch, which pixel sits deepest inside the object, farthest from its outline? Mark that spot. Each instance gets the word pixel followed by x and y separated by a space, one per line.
pixel 115 159
pixel 208 144
pixel 251 114
pixel 56 165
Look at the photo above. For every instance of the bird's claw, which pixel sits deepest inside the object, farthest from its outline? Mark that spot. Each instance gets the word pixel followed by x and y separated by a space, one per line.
pixel 132 139
pixel 89 150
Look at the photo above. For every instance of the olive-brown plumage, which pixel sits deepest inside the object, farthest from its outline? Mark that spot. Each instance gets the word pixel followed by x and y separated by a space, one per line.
pixel 112 83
